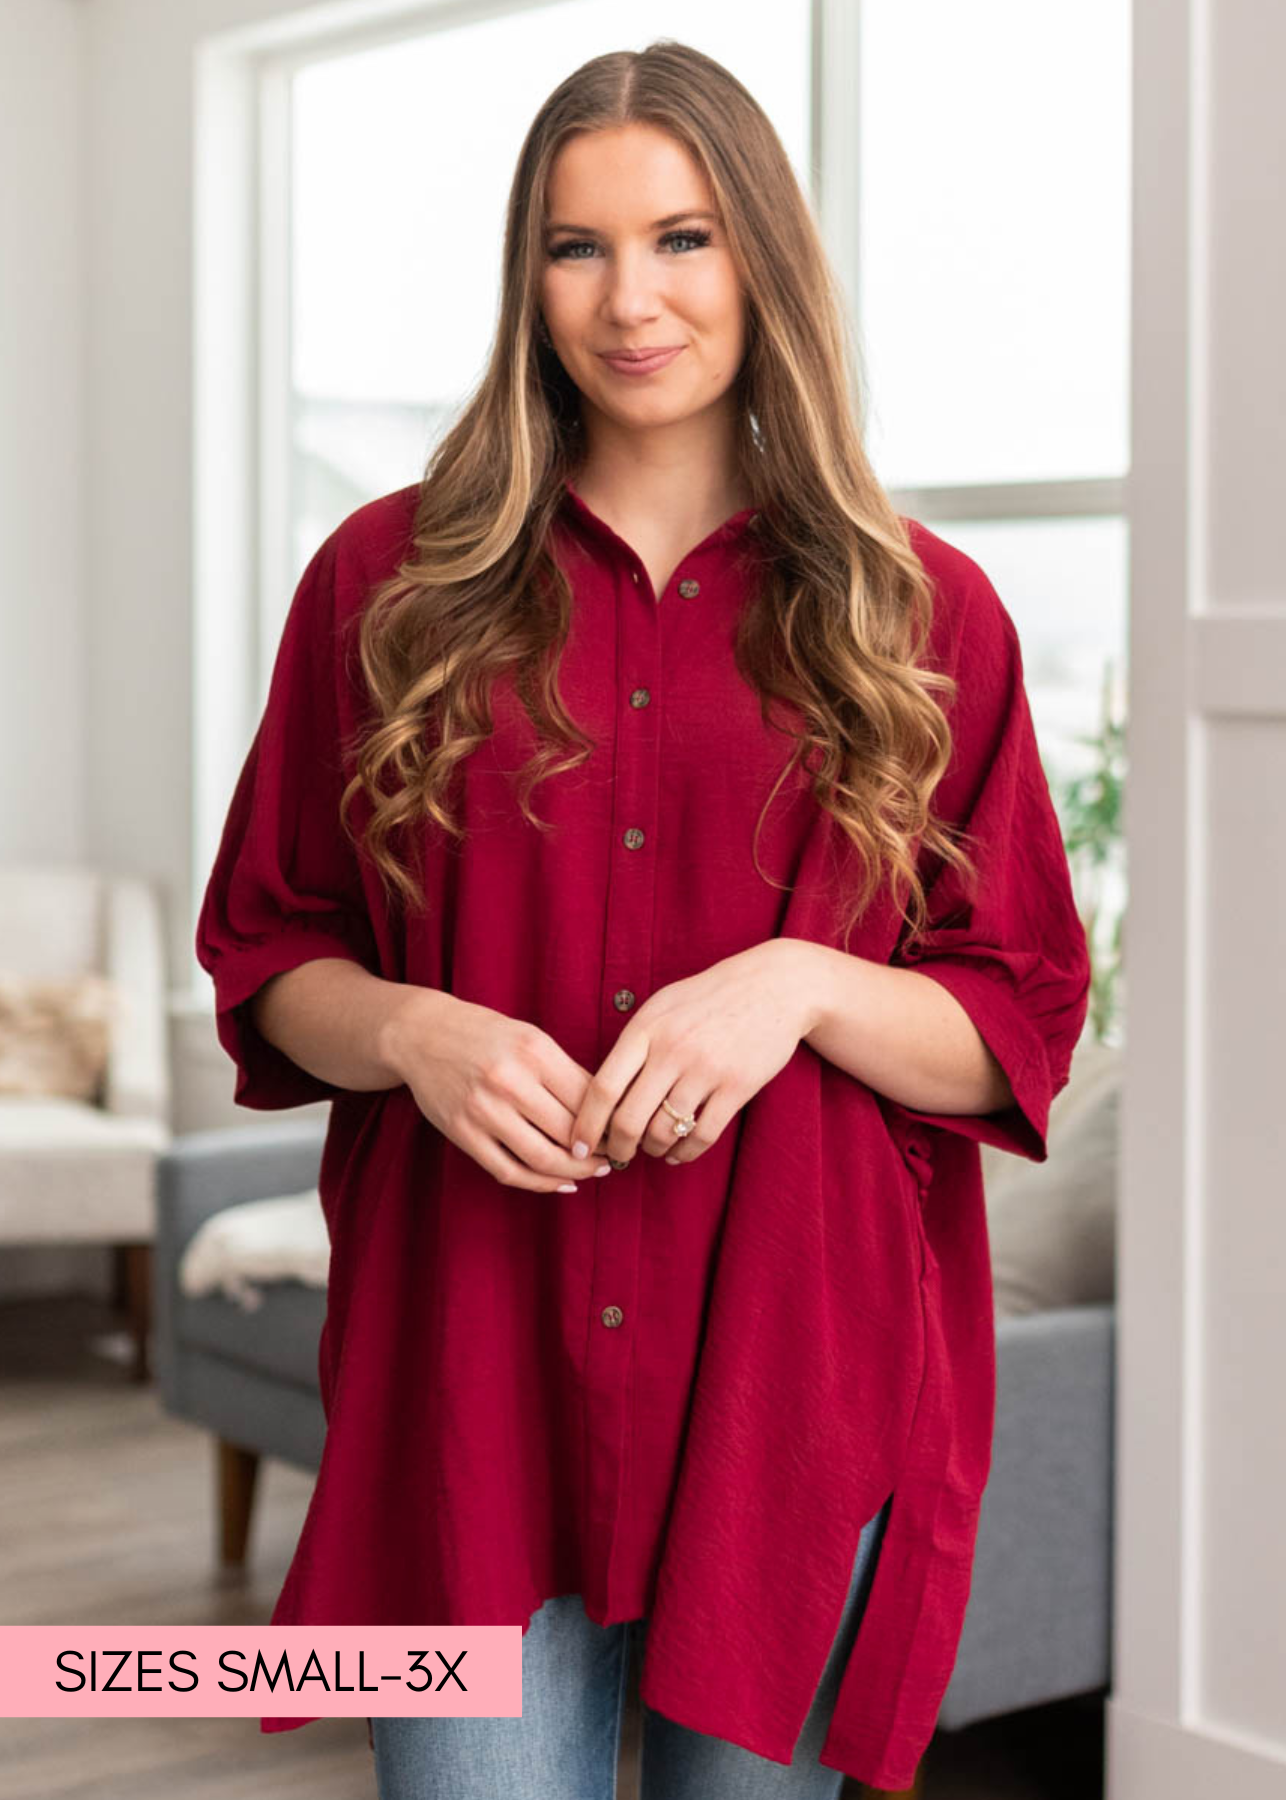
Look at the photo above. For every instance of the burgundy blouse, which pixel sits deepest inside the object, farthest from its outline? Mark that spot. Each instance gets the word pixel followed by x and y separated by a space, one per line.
pixel 680 1391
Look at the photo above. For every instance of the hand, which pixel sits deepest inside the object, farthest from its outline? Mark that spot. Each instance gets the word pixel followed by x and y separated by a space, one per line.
pixel 501 1089
pixel 707 1045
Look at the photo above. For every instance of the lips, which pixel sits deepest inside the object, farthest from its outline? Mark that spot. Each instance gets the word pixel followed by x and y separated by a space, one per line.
pixel 644 362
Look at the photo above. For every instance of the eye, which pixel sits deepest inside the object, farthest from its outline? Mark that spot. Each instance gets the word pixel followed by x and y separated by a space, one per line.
pixel 568 250
pixel 695 236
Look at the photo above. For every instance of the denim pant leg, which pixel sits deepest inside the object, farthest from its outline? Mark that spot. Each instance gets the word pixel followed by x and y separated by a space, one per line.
pixel 677 1763
pixel 565 1743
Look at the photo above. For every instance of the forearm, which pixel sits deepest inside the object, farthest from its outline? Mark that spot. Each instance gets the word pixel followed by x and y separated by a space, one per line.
pixel 897 1030
pixel 340 1022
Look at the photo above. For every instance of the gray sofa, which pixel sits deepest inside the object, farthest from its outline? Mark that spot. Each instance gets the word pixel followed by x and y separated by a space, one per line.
pixel 1038 1628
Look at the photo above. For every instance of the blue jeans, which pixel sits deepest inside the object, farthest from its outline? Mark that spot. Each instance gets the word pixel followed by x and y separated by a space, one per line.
pixel 565 1745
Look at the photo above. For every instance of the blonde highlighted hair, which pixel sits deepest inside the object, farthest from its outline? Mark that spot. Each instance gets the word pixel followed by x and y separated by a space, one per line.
pixel 840 616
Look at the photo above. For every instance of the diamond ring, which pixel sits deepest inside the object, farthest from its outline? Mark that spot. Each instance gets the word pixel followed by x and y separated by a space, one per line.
pixel 683 1122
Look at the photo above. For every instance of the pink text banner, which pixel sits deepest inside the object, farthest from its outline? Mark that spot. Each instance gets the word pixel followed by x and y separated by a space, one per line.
pixel 276 1671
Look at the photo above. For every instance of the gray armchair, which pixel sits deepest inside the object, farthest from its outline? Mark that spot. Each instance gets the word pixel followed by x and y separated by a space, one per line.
pixel 249 1377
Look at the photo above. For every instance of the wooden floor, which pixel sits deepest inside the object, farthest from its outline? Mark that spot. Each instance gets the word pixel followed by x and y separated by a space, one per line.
pixel 107 1517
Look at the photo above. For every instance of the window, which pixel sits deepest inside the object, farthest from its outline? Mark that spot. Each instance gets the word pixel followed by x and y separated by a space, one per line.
pixel 991 278
pixel 970 168
pixel 400 159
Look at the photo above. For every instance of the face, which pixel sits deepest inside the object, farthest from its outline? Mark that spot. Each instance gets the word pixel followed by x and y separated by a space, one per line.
pixel 635 260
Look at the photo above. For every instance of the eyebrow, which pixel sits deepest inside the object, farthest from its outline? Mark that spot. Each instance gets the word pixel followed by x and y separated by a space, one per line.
pixel 656 225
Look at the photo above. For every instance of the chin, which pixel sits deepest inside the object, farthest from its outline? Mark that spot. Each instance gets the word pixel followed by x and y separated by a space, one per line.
pixel 654 420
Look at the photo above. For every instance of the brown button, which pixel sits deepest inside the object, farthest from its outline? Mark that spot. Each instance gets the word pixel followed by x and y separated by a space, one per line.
pixel 611 1315
pixel 632 838
pixel 689 589
pixel 640 697
pixel 623 999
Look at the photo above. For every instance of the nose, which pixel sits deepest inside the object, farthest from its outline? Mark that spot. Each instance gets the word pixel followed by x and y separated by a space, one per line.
pixel 631 295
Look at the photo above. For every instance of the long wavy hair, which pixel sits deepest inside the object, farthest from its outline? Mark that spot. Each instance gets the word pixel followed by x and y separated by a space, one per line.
pixel 837 620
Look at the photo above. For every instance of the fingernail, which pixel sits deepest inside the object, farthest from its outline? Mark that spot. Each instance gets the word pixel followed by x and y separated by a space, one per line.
pixel 567 1187
pixel 673 1160
pixel 605 1170
pixel 579 1149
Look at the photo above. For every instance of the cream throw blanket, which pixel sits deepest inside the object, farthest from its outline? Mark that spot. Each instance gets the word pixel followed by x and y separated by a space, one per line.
pixel 55 1034
pixel 283 1239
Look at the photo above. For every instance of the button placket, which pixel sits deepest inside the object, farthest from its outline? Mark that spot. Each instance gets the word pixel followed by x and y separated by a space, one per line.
pixel 626 977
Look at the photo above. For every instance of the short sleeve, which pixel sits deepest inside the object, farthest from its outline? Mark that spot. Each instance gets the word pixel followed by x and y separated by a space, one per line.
pixel 1012 948
pixel 286 887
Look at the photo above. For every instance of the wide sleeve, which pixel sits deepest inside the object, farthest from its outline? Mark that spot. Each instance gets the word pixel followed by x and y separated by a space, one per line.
pixel 286 886
pixel 1012 949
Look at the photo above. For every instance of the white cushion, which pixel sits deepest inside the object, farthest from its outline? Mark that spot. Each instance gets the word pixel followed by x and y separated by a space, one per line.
pixel 72 1173
pixel 281 1239
pixel 1052 1225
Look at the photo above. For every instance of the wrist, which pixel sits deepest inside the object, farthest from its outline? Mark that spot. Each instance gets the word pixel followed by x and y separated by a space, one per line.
pixel 808 980
pixel 404 1025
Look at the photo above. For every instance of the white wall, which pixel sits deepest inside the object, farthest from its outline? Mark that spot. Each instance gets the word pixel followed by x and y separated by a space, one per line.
pixel 44 665
pixel 96 477
pixel 43 669
pixel 139 188
pixel 139 525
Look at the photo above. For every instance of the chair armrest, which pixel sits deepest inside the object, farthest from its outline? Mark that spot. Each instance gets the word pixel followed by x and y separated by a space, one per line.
pixel 200 1174
pixel 1039 1623
pixel 204 1171
pixel 137 1077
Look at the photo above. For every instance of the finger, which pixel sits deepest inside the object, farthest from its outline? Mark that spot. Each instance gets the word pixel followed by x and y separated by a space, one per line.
pixel 567 1081
pixel 491 1155
pixel 640 1120
pixel 712 1118
pixel 556 1094
pixel 506 1119
pixel 562 1075
pixel 545 1157
pixel 550 1116
pixel 603 1092
pixel 661 1134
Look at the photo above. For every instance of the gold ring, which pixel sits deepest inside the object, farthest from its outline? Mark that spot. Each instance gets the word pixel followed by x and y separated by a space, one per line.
pixel 683 1122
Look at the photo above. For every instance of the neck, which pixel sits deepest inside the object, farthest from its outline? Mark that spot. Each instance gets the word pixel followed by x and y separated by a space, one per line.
pixel 683 472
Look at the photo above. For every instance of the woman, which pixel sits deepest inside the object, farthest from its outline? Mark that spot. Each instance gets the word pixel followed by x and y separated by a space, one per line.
pixel 640 798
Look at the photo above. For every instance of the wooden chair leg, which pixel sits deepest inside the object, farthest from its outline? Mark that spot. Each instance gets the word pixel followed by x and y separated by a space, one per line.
pixel 238 1469
pixel 119 1300
pixel 914 1792
pixel 138 1304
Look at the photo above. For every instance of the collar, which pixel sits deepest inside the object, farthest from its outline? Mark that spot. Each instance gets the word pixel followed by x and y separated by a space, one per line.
pixel 575 507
